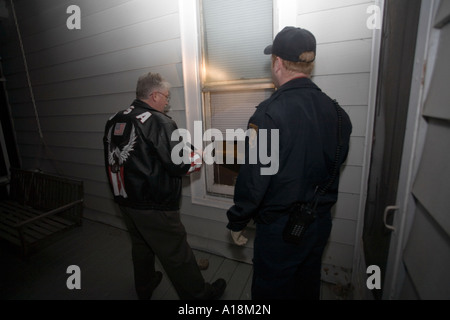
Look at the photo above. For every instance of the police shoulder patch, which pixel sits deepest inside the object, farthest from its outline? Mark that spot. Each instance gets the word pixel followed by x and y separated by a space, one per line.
pixel 253 126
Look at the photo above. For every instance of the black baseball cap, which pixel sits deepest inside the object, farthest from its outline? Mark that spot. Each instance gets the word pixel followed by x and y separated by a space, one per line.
pixel 291 42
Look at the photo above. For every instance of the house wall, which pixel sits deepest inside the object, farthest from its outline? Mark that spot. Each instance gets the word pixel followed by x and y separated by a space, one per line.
pixel 343 71
pixel 346 69
pixel 81 77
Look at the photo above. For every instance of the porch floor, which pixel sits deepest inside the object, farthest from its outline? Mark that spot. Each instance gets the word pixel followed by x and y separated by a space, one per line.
pixel 103 254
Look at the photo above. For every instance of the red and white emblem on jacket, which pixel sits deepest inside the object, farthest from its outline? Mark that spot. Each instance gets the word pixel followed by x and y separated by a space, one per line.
pixel 117 158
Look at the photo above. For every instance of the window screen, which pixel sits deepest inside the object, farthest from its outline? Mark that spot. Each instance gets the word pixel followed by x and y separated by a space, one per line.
pixel 235 34
pixel 236 76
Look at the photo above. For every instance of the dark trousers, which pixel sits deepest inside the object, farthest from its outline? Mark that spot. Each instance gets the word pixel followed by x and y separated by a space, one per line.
pixel 288 271
pixel 161 233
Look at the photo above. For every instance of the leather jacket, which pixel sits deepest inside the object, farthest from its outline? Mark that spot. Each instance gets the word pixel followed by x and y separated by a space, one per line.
pixel 137 150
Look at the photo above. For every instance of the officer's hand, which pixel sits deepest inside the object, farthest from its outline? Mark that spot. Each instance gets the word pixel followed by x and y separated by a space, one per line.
pixel 238 238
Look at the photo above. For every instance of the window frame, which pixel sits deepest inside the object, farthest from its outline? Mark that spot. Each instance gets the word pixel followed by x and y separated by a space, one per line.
pixel 284 13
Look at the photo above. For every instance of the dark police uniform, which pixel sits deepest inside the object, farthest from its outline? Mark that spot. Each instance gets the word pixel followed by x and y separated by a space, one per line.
pixel 308 125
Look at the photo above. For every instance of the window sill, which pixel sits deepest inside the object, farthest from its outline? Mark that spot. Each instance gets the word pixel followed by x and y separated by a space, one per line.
pixel 213 201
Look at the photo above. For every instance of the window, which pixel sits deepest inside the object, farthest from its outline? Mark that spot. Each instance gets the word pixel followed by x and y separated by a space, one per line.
pixel 235 77
pixel 217 100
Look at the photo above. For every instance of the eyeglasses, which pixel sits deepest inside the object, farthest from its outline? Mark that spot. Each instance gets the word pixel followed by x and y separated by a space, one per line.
pixel 166 96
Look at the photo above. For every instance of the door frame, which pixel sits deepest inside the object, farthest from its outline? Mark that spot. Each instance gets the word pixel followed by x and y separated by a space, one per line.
pixel 426 48
pixel 382 150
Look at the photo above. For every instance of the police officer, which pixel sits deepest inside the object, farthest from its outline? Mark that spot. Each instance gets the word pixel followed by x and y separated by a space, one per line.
pixel 306 122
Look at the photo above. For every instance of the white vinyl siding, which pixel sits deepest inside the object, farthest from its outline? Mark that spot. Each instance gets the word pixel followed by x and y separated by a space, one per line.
pixel 81 77
pixel 344 70
pixel 427 249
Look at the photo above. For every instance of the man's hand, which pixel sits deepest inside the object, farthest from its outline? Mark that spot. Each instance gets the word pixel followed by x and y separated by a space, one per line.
pixel 238 238
pixel 196 163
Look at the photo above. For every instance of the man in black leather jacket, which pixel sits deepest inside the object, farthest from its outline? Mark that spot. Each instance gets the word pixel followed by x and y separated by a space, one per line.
pixel 306 120
pixel 146 184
